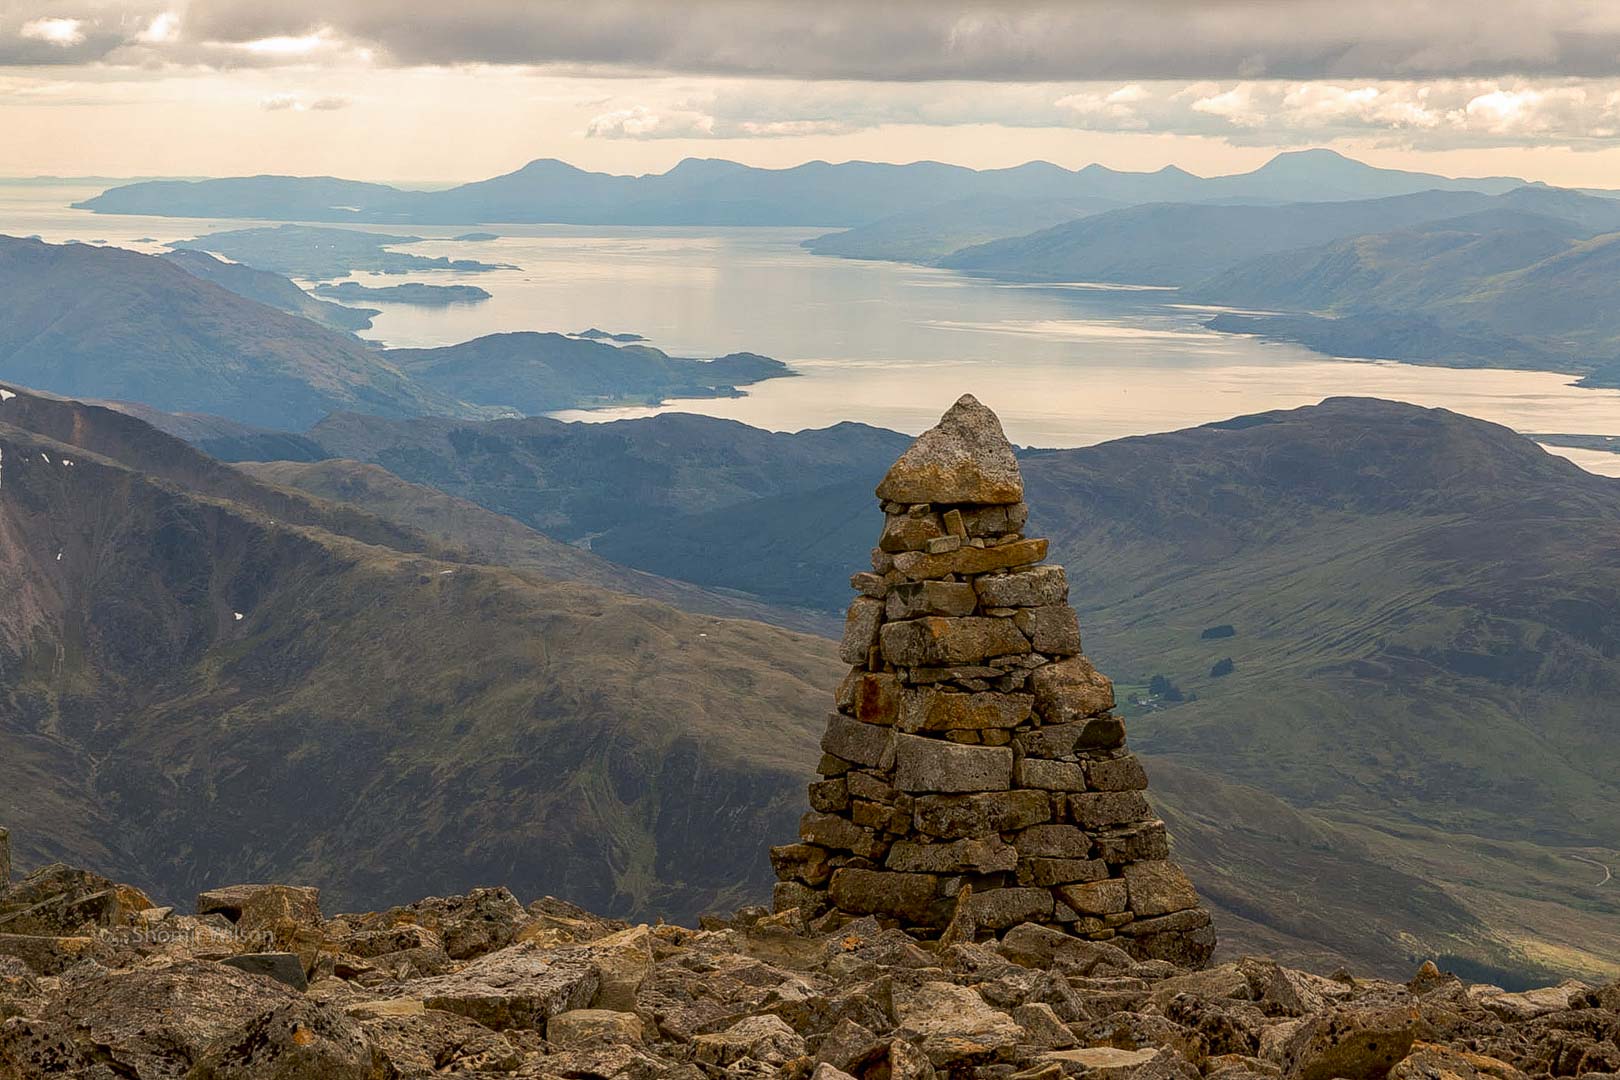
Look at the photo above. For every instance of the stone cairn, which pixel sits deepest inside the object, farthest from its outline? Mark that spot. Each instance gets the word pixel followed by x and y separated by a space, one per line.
pixel 974 777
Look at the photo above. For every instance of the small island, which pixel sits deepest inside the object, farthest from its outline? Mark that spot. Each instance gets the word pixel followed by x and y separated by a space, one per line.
pixel 411 292
pixel 593 334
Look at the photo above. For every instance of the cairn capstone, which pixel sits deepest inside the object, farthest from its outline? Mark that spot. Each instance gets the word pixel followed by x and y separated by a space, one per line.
pixel 975 778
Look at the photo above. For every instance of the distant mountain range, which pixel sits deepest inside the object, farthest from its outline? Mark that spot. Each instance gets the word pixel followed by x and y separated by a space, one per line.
pixel 711 192
pixel 1414 734
pixel 187 333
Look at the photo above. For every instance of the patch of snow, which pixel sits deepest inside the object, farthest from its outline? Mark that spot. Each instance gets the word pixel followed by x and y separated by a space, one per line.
pixel 442 573
pixel 66 463
pixel 239 615
pixel 5 395
pixel 46 457
pixel 58 556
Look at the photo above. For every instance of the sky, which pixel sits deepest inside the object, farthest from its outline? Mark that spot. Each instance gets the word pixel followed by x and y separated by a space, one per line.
pixel 432 92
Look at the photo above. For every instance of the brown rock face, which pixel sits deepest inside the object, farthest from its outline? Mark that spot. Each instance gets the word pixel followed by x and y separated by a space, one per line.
pixel 975 777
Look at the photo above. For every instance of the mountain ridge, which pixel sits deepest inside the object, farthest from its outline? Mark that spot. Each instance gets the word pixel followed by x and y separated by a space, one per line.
pixel 716 192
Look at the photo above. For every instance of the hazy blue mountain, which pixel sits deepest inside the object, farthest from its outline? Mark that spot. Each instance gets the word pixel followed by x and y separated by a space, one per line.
pixel 536 373
pixel 271 289
pixel 1500 288
pixel 710 192
pixel 1177 243
pixel 933 232
pixel 1322 175
pixel 296 198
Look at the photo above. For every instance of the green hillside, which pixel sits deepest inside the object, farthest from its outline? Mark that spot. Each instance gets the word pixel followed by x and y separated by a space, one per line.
pixel 292 689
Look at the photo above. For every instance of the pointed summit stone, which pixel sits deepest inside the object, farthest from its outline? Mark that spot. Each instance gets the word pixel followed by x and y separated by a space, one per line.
pixel 964 459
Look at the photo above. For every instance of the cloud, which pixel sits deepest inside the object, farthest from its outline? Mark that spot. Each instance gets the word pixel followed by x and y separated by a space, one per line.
pixel 163 29
pixel 64 33
pixel 1438 114
pixel 296 103
pixel 641 122
pixel 888 41
pixel 989 40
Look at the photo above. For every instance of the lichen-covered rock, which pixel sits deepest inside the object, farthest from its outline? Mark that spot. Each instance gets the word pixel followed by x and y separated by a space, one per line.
pixel 470 925
pixel 934 765
pixel 298 1040
pixel 62 901
pixel 430 1042
pixel 1355 1044
pixel 965 458
pixel 520 986
pixel 147 1023
pixel 263 907
pixel 764 1039
pixel 952 1024
pixel 593 1027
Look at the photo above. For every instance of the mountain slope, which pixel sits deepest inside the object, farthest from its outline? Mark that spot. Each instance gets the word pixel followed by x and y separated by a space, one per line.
pixel 1173 243
pixel 228 696
pixel 270 289
pixel 106 323
pixel 482 536
pixel 1181 244
pixel 1506 287
pixel 935 231
pixel 574 481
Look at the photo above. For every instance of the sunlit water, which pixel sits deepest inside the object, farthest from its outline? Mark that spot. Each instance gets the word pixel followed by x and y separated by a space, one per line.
pixel 885 343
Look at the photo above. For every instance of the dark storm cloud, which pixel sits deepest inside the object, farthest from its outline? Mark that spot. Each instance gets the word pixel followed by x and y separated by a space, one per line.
pixel 998 40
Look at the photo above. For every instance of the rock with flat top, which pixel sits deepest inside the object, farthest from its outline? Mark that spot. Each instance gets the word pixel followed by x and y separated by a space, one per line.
pixel 521 986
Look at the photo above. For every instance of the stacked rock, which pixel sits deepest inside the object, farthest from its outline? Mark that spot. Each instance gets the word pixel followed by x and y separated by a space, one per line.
pixel 974 777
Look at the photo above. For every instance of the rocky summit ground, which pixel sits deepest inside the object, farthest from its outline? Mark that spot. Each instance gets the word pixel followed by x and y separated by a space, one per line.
pixel 96 984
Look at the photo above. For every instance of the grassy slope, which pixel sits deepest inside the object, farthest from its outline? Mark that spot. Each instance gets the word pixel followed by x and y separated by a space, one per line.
pixel 383 722
pixel 483 536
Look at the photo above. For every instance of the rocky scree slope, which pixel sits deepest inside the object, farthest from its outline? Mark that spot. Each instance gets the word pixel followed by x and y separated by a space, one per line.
pixel 97 984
